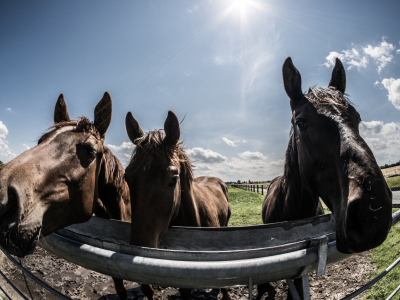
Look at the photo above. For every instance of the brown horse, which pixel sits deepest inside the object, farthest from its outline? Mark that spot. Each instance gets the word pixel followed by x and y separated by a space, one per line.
pixel 63 180
pixel 326 157
pixel 161 181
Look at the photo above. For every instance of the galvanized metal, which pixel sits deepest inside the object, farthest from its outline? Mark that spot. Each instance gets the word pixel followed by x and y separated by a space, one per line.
pixel 193 268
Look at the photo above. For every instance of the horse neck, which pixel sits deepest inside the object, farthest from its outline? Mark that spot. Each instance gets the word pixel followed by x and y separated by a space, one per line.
pixel 113 189
pixel 299 202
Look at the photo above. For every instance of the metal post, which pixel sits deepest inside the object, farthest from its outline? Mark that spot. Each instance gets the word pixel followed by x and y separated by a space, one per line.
pixel 250 288
pixel 293 290
pixel 306 287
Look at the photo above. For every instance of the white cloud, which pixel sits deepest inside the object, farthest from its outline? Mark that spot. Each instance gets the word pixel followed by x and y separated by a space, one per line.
pixel 3 130
pixel 280 162
pixel 123 146
pixel 5 152
pixel 233 143
pixel 376 144
pixel 377 127
pixel 393 87
pixel 377 83
pixel 382 54
pixel 26 146
pixel 203 167
pixel 383 139
pixel 205 155
pixel 9 109
pixel 352 57
pixel 252 155
pixel 398 51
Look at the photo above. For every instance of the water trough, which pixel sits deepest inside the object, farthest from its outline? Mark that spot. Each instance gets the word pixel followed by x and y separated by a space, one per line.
pixel 202 257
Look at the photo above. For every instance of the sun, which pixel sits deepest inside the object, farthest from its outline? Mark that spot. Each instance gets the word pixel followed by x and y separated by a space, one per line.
pixel 241 5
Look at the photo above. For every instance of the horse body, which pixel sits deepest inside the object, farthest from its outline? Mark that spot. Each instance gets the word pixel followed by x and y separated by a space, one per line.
pixel 63 180
pixel 196 210
pixel 160 179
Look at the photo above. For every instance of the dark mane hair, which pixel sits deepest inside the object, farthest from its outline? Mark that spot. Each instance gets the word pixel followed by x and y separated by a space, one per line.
pixel 115 171
pixel 153 143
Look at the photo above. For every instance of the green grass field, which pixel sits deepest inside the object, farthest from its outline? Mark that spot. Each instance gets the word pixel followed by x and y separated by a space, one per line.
pixel 384 256
pixel 393 181
pixel 246 210
pixel 246 207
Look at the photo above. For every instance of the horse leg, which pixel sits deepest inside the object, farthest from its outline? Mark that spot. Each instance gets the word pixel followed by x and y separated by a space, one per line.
pixel 120 289
pixel 147 291
pixel 263 288
pixel 185 293
pixel 225 294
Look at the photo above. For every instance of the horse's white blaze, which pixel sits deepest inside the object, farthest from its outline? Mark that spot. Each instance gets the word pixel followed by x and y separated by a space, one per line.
pixel 61 130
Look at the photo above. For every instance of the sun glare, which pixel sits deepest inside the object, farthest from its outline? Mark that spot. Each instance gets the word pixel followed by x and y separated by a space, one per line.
pixel 241 4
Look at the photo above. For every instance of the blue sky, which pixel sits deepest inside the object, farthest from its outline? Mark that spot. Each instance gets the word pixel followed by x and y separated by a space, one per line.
pixel 217 62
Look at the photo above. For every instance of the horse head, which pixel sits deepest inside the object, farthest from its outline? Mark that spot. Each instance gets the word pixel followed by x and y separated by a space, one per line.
pixel 334 161
pixel 154 179
pixel 53 184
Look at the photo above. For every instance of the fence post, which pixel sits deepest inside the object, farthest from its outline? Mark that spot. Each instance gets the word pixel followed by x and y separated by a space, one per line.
pixel 257 188
pixel 262 189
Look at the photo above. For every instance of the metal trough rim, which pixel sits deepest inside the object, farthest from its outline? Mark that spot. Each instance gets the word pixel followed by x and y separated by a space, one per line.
pixel 187 274
pixel 191 274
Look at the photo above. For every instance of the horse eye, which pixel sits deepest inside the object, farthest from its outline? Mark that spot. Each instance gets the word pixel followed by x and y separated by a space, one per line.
pixel 173 181
pixel 301 125
pixel 90 150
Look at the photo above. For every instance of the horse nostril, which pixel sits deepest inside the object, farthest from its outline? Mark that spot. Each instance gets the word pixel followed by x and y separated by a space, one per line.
pixel 12 195
pixel 10 212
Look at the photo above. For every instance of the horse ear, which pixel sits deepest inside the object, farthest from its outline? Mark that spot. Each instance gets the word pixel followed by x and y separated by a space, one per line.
pixel 132 127
pixel 338 79
pixel 292 82
pixel 60 111
pixel 102 114
pixel 171 128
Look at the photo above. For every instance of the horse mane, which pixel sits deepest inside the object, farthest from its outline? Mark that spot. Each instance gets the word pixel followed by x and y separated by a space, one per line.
pixel 153 143
pixel 115 171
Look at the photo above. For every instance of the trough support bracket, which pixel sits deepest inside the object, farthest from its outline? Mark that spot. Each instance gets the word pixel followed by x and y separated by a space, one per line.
pixel 322 254
pixel 322 244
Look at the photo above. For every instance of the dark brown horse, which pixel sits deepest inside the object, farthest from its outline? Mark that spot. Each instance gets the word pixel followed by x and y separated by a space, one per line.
pixel 327 158
pixel 63 180
pixel 161 181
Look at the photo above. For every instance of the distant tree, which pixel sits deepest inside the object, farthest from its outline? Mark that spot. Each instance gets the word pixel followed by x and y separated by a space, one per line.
pixel 1 164
pixel 238 182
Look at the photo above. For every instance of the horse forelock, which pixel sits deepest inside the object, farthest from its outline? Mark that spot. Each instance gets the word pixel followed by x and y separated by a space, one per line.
pixel 81 124
pixel 329 101
pixel 152 144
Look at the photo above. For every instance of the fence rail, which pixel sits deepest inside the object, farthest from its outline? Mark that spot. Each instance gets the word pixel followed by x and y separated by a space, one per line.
pixel 252 188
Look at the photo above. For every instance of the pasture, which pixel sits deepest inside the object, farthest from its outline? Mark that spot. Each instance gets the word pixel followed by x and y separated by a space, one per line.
pixel 246 210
